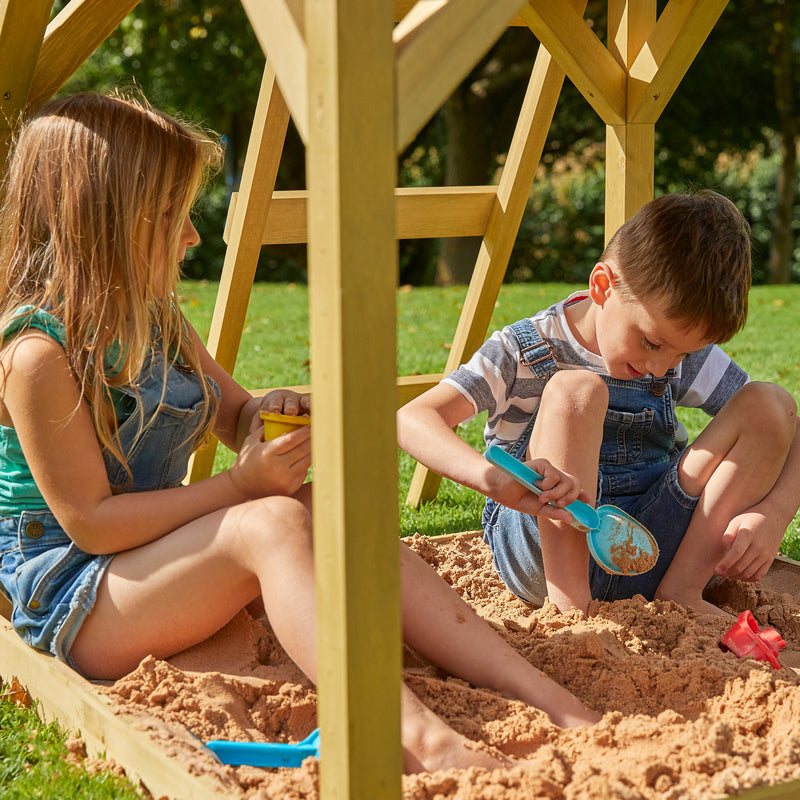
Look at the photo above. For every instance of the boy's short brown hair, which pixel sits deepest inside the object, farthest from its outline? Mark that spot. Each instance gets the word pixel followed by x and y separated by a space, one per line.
pixel 691 251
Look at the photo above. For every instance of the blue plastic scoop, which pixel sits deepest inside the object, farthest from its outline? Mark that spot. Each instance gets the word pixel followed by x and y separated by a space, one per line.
pixel 266 754
pixel 618 543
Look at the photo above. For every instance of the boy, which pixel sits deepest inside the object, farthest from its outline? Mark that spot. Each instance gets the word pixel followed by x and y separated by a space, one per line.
pixel 591 385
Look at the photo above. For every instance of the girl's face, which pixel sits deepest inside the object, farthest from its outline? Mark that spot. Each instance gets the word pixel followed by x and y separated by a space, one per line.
pixel 160 270
pixel 634 338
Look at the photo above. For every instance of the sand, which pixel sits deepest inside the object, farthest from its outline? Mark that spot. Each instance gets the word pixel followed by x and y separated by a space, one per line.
pixel 682 718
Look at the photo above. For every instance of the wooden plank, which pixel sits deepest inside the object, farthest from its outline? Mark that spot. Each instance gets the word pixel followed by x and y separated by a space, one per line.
pixel 630 172
pixel 351 176
pixel 582 56
pixel 75 703
pixel 408 387
pixel 279 27
pixel 76 32
pixel 668 53
pixel 421 213
pixel 516 180
pixel 436 45
pixel 264 149
pixel 402 7
pixel 22 27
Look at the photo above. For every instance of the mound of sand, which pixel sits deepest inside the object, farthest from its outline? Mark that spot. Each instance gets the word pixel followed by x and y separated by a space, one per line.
pixel 682 718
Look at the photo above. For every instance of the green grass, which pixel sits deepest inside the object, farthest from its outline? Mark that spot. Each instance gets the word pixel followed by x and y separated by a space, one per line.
pixel 274 352
pixel 33 762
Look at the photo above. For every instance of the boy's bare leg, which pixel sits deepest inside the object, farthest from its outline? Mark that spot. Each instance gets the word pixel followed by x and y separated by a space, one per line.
pixel 568 432
pixel 732 465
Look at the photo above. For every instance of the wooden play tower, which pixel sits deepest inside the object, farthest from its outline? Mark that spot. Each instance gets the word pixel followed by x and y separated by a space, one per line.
pixel 359 79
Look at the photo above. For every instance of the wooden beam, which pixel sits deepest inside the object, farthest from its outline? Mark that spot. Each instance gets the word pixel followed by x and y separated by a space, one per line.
pixel 408 387
pixel 264 149
pixel 75 703
pixel 436 45
pixel 668 53
pixel 422 213
pixel 630 168
pixel 78 30
pixel 516 180
pixel 351 168
pixel 582 56
pixel 22 27
pixel 402 7
pixel 630 148
pixel 279 26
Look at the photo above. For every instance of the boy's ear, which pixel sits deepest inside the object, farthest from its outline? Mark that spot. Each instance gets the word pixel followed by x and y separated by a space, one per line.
pixel 601 282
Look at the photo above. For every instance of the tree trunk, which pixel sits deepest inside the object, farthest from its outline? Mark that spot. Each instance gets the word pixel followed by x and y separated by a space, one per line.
pixel 468 161
pixel 782 245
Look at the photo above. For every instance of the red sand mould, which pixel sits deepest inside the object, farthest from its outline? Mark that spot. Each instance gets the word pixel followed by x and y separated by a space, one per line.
pixel 683 719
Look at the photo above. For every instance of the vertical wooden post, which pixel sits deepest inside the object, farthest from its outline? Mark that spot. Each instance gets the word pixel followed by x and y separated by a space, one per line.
pixel 630 148
pixel 352 282
pixel 22 27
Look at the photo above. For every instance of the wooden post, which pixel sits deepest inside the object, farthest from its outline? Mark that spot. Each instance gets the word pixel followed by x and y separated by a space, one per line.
pixel 264 149
pixel 352 280
pixel 630 149
pixel 22 27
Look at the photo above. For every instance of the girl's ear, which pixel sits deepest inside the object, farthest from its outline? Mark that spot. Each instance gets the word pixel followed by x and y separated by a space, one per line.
pixel 601 282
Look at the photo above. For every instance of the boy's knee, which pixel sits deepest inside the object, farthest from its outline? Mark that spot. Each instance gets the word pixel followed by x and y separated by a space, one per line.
pixel 577 392
pixel 771 407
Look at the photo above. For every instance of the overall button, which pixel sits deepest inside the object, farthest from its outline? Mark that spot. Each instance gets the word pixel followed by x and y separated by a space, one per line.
pixel 33 530
pixel 34 604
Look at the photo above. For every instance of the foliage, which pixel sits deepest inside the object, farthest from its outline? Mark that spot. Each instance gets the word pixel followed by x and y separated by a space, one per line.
pixel 562 231
pixel 202 59
pixel 33 762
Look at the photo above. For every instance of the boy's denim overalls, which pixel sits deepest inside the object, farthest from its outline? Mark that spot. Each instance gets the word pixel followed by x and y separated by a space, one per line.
pixel 638 472
pixel 51 583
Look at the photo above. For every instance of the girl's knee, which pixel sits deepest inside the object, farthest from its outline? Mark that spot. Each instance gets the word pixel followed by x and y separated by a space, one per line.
pixel 271 521
pixel 576 392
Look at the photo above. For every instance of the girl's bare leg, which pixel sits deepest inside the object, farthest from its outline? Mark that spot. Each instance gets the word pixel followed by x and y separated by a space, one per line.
pixel 446 630
pixel 732 465
pixel 177 591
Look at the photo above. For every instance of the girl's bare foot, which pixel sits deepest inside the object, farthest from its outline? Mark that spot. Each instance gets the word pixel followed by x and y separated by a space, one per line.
pixel 430 744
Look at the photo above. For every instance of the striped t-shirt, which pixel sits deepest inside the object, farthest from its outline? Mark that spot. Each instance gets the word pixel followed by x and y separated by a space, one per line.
pixel 495 380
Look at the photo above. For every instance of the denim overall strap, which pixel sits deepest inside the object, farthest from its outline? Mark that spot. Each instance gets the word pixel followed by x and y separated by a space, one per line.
pixel 537 355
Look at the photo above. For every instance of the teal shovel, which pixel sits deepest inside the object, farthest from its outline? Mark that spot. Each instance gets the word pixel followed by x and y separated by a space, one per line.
pixel 617 542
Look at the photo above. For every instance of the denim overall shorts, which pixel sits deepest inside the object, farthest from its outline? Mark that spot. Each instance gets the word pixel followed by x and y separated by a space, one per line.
pixel 51 583
pixel 639 457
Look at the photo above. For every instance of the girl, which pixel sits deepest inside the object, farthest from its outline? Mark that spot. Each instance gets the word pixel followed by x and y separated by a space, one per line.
pixel 105 390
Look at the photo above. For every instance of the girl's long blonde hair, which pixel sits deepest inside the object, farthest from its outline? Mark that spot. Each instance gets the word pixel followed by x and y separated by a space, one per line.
pixel 95 198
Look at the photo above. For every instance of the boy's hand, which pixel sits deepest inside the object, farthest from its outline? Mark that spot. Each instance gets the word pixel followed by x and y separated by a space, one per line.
pixel 557 487
pixel 279 466
pixel 751 543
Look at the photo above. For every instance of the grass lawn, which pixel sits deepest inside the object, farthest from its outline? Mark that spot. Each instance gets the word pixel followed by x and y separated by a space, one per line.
pixel 274 352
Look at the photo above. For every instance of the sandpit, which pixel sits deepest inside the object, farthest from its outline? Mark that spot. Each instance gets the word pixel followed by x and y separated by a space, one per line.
pixel 682 718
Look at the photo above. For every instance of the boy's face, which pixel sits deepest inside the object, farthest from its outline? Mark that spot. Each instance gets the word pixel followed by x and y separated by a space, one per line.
pixel 636 338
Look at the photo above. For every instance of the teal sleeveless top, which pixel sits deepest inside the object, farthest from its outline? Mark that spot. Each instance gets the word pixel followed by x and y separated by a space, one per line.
pixel 18 491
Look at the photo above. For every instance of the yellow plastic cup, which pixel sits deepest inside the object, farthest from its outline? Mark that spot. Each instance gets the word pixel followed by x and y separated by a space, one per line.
pixel 277 424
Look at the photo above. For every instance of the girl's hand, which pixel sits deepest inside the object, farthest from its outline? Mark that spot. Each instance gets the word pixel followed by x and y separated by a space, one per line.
pixel 556 486
pixel 281 401
pixel 279 466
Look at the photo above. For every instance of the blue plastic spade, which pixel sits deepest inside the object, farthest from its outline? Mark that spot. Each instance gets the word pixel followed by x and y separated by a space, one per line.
pixel 266 754
pixel 618 543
